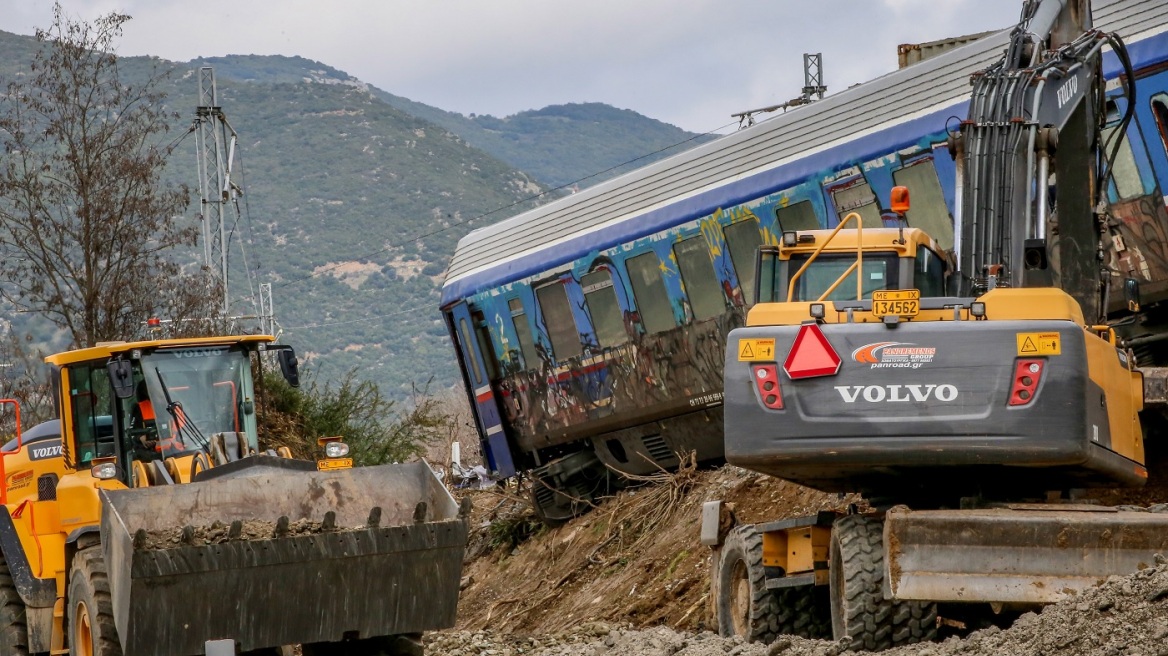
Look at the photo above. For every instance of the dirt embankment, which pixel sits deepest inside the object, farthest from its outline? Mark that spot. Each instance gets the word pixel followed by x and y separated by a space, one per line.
pixel 1125 616
pixel 636 558
pixel 632 579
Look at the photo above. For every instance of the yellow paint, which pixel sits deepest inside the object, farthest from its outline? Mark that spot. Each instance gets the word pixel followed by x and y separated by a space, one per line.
pixel 774 549
pixel 103 352
pixel 756 350
pixel 1124 391
pixel 796 550
pixel 882 240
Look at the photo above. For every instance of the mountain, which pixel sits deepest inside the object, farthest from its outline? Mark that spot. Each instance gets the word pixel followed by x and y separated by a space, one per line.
pixel 355 198
pixel 558 145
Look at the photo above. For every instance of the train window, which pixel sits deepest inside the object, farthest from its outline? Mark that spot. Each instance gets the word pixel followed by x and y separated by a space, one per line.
pixel 701 283
pixel 797 216
pixel 930 273
pixel 600 297
pixel 1126 175
pixel 469 347
pixel 523 332
pixel 561 325
pixel 649 291
pixel 743 239
pixel 858 197
pixel 1160 111
pixel 928 211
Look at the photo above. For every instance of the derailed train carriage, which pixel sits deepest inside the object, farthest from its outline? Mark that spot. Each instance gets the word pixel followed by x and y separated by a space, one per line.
pixel 590 331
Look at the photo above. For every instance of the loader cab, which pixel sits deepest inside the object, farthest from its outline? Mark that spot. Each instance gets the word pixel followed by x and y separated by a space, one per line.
pixel 826 267
pixel 152 413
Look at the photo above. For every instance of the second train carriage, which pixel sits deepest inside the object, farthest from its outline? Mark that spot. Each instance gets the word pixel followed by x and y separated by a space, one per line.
pixel 590 330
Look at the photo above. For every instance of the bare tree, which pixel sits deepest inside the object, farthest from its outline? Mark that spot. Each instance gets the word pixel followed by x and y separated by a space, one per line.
pixel 88 229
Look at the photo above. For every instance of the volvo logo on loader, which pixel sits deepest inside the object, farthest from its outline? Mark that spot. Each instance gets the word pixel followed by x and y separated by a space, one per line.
pixel 897 393
pixel 45 451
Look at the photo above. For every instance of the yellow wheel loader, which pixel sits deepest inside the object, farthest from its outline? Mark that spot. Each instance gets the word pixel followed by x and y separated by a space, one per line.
pixel 145 520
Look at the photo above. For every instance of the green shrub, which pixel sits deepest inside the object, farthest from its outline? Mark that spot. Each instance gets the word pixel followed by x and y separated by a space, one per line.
pixel 376 429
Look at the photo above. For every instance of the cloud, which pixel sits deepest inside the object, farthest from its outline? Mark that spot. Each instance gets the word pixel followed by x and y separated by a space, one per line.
pixel 691 64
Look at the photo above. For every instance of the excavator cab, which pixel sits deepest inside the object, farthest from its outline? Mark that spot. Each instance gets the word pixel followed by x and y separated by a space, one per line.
pixel 888 263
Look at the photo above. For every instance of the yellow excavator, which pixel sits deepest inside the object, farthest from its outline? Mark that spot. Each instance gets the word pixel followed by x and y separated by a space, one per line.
pixel 146 520
pixel 975 398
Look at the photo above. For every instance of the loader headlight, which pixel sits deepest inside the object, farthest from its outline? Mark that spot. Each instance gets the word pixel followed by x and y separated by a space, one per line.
pixel 336 449
pixel 104 470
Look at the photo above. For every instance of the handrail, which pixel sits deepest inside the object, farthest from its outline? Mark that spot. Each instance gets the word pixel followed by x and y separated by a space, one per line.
pixel 858 264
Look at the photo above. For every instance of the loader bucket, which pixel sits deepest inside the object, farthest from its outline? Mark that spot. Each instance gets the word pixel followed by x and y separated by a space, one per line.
pixel 180 573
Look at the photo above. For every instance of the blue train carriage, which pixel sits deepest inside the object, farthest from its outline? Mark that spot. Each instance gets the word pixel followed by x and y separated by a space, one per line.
pixel 590 331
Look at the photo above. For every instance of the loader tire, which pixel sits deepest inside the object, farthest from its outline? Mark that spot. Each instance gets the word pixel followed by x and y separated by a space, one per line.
pixel 91 612
pixel 860 615
pixel 13 629
pixel 745 607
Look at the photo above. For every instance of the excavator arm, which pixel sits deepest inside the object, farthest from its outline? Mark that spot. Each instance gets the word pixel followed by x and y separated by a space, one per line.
pixel 1031 213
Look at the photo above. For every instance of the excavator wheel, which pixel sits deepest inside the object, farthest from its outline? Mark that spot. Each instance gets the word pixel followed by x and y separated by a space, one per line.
pixel 91 612
pixel 745 607
pixel 399 645
pixel 860 615
pixel 804 611
pixel 13 630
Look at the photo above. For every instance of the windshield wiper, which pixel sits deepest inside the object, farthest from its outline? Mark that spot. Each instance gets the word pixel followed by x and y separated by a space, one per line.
pixel 182 421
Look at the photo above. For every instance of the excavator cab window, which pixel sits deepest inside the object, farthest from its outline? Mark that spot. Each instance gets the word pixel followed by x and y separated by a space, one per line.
pixel 878 272
pixel 929 273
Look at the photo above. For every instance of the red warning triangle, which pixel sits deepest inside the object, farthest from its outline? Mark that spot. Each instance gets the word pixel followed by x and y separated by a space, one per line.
pixel 811 355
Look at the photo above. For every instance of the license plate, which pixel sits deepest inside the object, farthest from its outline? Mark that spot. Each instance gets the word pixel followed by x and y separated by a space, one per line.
pixel 898 302
pixel 334 463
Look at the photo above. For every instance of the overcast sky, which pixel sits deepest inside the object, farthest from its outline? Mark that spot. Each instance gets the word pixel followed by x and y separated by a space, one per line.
pixel 691 63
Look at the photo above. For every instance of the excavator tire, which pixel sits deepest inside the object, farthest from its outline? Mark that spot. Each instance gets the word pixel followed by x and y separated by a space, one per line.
pixel 804 611
pixel 91 612
pixel 13 630
pixel 745 607
pixel 399 645
pixel 860 615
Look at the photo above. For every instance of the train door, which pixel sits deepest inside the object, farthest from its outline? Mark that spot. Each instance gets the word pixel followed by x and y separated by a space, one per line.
pixel 486 406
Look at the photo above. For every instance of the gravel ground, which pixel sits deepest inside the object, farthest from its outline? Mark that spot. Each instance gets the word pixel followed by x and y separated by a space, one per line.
pixel 1124 616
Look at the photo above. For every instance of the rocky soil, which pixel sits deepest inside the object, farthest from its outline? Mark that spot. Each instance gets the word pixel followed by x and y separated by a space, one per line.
pixel 1125 616
pixel 632 579
pixel 219 532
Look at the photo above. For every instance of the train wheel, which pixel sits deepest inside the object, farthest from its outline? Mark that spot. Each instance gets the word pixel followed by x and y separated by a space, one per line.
pixel 91 613
pixel 13 629
pixel 745 607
